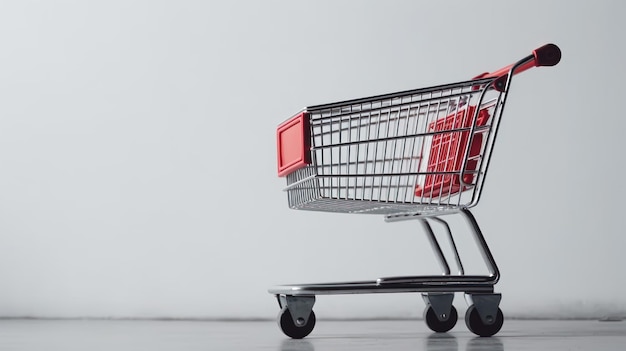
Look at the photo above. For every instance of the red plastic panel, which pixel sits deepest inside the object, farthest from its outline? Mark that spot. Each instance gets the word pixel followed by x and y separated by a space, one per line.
pixel 447 151
pixel 294 144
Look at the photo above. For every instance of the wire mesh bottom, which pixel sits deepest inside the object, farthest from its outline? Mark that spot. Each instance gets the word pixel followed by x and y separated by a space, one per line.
pixel 309 195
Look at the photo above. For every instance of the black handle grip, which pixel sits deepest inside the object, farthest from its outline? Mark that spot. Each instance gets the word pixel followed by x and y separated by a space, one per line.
pixel 547 55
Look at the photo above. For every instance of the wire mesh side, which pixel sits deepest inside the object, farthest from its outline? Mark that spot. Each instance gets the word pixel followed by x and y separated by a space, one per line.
pixel 373 153
pixel 304 187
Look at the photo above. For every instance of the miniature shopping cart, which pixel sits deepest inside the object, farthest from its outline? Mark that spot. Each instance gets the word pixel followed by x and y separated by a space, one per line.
pixel 417 154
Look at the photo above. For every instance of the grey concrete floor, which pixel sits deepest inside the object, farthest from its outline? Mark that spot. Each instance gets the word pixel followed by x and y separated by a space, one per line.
pixel 123 335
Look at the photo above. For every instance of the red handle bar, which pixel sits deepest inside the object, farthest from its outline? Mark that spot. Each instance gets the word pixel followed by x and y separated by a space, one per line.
pixel 547 55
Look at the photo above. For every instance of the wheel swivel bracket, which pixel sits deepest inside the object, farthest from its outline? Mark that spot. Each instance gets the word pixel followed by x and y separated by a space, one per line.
pixel 300 307
pixel 441 304
pixel 486 305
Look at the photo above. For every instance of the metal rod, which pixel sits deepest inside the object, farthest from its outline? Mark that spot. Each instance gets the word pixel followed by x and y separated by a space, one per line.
pixel 401 94
pixel 436 248
pixel 496 127
pixel 452 244
pixel 483 248
pixel 399 137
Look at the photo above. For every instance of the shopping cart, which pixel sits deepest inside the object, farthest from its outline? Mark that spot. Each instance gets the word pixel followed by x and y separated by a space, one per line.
pixel 417 154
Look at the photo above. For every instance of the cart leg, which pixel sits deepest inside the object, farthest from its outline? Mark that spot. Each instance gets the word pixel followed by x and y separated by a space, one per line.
pixel 453 248
pixel 483 248
pixel 483 317
pixel 436 247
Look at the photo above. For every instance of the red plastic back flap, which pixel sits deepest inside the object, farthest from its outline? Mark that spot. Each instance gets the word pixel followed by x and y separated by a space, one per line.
pixel 447 152
pixel 294 144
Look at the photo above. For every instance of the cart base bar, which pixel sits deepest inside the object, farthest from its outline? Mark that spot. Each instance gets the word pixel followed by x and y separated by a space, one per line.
pixel 425 284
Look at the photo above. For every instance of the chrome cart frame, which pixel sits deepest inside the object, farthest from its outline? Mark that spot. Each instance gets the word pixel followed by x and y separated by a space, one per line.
pixel 413 155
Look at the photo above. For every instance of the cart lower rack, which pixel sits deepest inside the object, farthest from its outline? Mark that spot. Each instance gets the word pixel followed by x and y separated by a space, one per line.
pixel 417 154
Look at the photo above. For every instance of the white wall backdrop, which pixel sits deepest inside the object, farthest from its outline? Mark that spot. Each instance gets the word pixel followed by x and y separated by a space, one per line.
pixel 138 168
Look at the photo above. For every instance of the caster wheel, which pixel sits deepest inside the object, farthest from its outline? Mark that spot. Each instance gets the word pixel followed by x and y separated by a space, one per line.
pixel 440 326
pixel 476 325
pixel 291 329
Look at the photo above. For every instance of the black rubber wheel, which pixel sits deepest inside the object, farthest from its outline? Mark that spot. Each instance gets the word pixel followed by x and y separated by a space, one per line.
pixel 476 325
pixel 440 326
pixel 285 321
